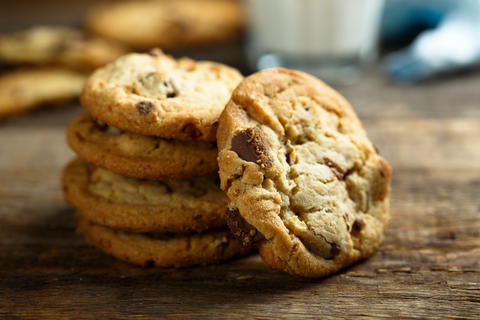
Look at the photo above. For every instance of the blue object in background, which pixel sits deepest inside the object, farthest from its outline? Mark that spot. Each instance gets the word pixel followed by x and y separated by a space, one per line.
pixel 451 41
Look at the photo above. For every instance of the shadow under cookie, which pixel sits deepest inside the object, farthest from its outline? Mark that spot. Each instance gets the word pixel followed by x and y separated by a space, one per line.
pixel 180 250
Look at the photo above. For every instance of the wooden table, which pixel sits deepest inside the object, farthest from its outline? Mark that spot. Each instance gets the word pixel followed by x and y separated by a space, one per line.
pixel 428 266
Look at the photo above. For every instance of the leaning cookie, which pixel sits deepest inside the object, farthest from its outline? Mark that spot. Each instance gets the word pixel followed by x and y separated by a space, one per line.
pixel 167 24
pixel 139 156
pixel 59 46
pixel 154 94
pixel 163 250
pixel 136 205
pixel 24 90
pixel 299 169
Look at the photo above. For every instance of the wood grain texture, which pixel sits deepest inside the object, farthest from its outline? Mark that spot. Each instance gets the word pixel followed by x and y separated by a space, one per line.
pixel 428 266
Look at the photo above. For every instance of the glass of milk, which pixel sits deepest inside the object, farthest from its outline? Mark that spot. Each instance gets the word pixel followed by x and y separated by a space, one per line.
pixel 328 38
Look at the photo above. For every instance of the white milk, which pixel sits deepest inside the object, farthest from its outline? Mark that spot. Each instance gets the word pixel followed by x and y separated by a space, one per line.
pixel 313 30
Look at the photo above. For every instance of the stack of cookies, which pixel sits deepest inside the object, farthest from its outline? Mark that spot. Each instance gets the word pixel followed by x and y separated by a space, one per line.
pixel 145 183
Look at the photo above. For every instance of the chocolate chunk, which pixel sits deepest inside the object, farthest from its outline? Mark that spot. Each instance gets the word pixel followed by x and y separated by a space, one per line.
pixel 334 168
pixel 144 107
pixel 357 226
pixel 241 229
pixel 191 130
pixel 251 145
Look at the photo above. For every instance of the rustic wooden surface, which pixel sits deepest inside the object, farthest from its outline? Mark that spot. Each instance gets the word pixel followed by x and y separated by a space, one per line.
pixel 428 266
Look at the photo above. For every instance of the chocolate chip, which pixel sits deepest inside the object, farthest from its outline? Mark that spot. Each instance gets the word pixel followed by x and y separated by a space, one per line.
pixel 197 217
pixel 191 130
pixel 144 107
pixel 334 168
pixel 60 47
pixel 229 182
pixel 382 173
pixel 172 91
pixel 357 226
pixel 241 229
pixel 345 219
pixel 334 250
pixel 251 145
pixel 228 185
pixel 79 137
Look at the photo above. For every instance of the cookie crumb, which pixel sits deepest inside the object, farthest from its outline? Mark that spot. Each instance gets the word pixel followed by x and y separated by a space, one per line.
pixel 191 130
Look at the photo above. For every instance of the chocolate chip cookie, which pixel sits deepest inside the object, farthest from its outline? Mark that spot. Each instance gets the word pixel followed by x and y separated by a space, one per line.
pixel 167 24
pixel 123 203
pixel 163 250
pixel 154 94
pixel 298 167
pixel 24 90
pixel 58 46
pixel 140 156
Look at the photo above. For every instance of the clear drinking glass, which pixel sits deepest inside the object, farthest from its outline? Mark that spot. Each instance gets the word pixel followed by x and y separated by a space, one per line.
pixel 328 38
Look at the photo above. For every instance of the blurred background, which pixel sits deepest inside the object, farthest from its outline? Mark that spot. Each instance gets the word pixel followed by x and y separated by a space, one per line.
pixel 339 41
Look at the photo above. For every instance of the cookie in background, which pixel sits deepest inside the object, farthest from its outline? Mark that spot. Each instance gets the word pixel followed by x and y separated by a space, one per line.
pixel 24 90
pixel 170 25
pixel 54 63
pixel 57 46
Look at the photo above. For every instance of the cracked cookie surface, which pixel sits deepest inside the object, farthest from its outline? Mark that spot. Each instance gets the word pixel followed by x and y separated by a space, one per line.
pixel 154 94
pixel 59 46
pixel 163 250
pixel 167 24
pixel 140 156
pixel 297 164
pixel 123 203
